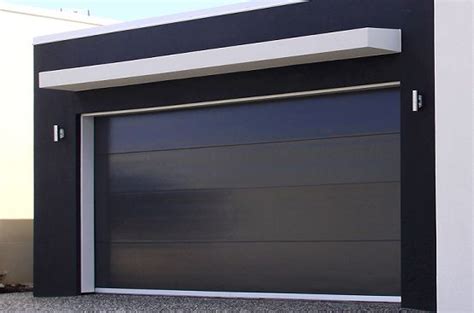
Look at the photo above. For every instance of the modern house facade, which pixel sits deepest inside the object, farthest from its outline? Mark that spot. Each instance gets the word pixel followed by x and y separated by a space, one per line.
pixel 278 149
pixel 19 24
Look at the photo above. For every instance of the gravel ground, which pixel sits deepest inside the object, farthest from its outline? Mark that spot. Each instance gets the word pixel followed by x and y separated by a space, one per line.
pixel 25 302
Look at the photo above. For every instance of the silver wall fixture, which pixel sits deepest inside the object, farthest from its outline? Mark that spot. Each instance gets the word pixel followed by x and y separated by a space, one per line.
pixel 58 133
pixel 417 101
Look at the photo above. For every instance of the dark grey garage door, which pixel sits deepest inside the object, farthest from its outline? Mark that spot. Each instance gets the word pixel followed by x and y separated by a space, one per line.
pixel 298 195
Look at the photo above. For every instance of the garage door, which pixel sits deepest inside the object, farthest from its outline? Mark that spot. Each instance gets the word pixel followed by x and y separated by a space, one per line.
pixel 298 195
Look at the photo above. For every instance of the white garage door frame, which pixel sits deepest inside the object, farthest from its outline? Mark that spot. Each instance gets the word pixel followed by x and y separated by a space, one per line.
pixel 87 204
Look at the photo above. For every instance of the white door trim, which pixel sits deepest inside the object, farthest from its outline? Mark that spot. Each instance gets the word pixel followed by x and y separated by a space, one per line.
pixel 249 99
pixel 248 295
pixel 87 206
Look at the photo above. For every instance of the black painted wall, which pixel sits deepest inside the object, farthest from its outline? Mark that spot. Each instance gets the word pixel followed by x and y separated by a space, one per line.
pixel 56 266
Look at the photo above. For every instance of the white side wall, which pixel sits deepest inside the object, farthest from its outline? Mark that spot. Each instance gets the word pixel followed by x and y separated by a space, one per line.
pixel 454 154
pixel 16 99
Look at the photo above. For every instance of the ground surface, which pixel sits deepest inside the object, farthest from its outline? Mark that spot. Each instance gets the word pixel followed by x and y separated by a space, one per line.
pixel 24 302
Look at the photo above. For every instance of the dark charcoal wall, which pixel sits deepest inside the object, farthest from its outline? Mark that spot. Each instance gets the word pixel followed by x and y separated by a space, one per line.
pixel 56 269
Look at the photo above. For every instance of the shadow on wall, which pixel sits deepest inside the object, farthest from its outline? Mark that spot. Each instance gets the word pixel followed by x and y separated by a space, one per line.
pixel 16 251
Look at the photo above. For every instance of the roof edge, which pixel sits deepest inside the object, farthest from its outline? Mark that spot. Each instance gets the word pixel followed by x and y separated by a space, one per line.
pixel 167 19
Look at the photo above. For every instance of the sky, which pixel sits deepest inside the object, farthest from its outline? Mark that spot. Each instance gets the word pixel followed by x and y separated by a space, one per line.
pixel 125 10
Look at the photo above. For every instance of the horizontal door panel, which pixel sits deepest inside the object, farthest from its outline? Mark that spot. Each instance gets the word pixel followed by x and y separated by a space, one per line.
pixel 315 162
pixel 365 268
pixel 335 115
pixel 336 212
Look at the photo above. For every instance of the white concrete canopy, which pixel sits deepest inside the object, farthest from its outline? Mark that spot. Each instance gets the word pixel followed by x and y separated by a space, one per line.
pixel 341 45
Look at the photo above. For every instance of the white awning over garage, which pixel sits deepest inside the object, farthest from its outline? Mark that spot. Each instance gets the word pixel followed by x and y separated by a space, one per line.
pixel 341 45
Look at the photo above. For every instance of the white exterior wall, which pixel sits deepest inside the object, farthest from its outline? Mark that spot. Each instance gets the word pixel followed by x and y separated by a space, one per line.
pixel 17 29
pixel 454 100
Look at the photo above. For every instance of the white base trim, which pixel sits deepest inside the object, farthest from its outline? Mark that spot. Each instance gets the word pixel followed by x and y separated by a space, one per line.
pixel 249 295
